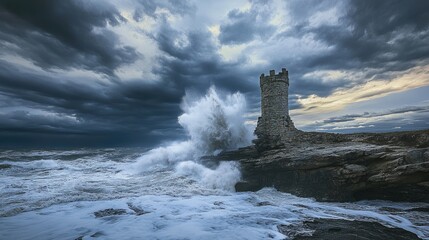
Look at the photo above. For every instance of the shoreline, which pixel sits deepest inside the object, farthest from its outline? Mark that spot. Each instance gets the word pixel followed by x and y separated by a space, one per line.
pixel 339 167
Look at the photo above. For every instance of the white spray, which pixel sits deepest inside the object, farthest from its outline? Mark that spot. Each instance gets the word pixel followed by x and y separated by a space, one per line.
pixel 213 124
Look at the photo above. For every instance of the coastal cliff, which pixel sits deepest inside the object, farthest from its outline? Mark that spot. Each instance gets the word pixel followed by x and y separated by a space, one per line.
pixel 340 167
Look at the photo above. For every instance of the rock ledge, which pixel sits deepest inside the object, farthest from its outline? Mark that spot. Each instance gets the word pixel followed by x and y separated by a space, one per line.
pixel 337 167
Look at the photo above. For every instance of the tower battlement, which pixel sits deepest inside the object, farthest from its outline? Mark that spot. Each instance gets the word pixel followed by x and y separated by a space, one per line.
pixel 281 76
pixel 275 123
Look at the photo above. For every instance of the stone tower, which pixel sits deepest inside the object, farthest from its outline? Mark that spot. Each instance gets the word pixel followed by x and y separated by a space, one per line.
pixel 274 125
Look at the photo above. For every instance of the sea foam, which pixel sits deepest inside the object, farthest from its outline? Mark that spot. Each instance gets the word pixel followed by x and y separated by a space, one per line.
pixel 213 123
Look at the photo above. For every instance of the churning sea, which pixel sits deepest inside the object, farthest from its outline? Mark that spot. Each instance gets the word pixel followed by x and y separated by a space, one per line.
pixel 53 194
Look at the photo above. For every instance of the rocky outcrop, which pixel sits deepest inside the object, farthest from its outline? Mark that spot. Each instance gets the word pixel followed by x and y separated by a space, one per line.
pixel 344 229
pixel 334 167
pixel 326 166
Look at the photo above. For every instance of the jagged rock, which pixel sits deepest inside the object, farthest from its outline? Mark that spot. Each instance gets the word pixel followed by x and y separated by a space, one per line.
pixel 109 212
pixel 347 169
pixel 344 229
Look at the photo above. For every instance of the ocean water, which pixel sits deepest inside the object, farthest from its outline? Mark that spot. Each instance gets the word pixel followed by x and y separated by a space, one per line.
pixel 165 192
pixel 53 194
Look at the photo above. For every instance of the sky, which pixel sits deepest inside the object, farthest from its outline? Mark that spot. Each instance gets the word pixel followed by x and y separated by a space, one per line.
pixel 114 73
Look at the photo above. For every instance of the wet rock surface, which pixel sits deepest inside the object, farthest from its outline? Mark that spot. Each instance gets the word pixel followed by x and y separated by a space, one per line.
pixel 109 212
pixel 344 229
pixel 335 167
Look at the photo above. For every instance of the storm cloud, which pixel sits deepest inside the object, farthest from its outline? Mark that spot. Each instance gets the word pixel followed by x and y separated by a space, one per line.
pixel 64 34
pixel 92 73
pixel 245 26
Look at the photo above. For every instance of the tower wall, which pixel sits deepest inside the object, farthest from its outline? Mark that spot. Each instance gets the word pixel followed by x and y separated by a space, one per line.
pixel 274 94
pixel 274 123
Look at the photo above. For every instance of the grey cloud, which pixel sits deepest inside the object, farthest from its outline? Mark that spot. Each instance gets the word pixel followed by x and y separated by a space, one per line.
pixel 352 117
pixel 377 34
pixel 132 110
pixel 418 122
pixel 243 27
pixel 149 7
pixel 117 112
pixel 391 120
pixel 62 34
pixel 196 64
pixel 376 38
pixel 303 10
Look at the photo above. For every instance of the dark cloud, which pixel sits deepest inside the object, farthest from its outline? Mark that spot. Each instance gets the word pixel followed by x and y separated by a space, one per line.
pixel 42 106
pixel 376 38
pixel 191 60
pixel 129 111
pixel 244 26
pixel 64 34
pixel 134 111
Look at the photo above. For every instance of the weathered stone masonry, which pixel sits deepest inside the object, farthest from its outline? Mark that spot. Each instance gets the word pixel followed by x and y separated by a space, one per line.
pixel 275 123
